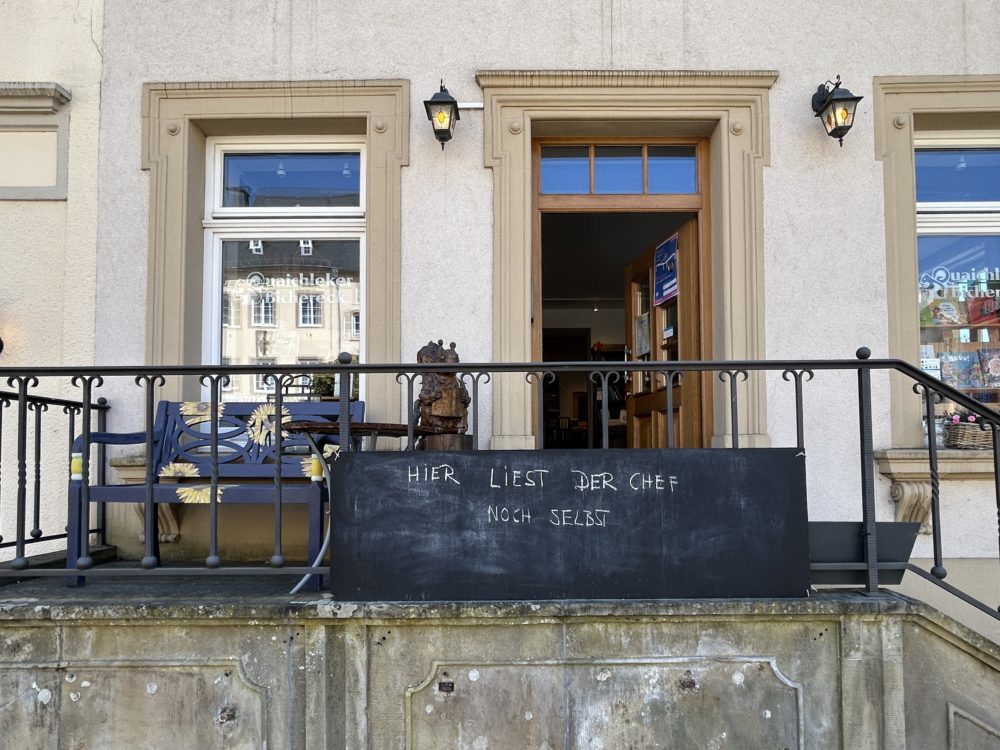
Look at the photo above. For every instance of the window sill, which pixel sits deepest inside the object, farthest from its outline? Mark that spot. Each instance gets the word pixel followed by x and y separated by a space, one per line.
pixel 912 465
pixel 909 471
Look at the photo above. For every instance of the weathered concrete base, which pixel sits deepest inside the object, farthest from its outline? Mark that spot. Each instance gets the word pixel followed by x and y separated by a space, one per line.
pixel 833 671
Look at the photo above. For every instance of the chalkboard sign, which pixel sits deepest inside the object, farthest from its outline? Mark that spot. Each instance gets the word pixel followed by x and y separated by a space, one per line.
pixel 569 524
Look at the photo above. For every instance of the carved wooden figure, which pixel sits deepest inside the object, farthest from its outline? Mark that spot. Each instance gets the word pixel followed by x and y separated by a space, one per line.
pixel 443 402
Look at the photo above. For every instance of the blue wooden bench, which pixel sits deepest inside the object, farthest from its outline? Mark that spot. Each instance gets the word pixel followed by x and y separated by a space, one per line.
pixel 182 462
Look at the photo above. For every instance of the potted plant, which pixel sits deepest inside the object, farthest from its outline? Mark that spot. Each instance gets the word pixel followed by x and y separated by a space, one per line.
pixel 324 386
pixel 965 429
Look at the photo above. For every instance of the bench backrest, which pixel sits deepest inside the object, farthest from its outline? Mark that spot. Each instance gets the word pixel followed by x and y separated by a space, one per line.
pixel 246 432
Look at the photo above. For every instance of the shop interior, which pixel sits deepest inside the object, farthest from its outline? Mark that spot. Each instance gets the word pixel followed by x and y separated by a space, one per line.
pixel 584 262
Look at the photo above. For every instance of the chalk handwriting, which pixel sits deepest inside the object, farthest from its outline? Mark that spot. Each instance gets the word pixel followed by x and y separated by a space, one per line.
pixel 582 517
pixel 599 481
pixel 428 473
pixel 502 514
pixel 507 477
pixel 656 482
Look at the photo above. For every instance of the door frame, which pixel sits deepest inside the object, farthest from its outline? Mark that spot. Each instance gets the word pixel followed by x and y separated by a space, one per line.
pixel 698 203
pixel 731 108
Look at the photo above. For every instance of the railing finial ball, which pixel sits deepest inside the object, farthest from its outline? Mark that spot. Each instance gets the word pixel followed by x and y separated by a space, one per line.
pixel 863 353
pixel 344 358
pixel 939 572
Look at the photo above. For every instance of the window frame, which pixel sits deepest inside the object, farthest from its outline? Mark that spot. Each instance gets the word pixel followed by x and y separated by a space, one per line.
pixel 955 218
pixel 643 144
pixel 217 147
pixel 177 117
pixel 222 224
pixel 909 107
pixel 260 385
pixel 315 308
pixel 352 325
pixel 266 301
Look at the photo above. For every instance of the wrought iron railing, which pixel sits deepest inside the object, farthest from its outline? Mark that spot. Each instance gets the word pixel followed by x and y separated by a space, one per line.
pixel 38 420
pixel 137 390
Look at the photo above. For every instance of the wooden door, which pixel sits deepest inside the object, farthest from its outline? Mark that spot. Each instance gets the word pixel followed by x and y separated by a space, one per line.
pixel 668 331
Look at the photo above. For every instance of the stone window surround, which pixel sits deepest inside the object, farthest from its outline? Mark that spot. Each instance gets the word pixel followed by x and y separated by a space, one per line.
pixel 897 101
pixel 730 108
pixel 37 107
pixel 176 120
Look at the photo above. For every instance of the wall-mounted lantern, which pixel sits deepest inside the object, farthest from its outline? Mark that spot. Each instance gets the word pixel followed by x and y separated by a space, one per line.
pixel 835 107
pixel 442 111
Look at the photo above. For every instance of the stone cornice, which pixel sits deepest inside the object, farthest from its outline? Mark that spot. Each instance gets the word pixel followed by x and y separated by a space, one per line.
pixel 626 78
pixel 40 98
pixel 911 464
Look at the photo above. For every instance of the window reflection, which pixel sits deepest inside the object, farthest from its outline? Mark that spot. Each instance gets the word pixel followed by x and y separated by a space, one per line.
pixel 282 180
pixel 672 169
pixel 959 292
pixel 618 169
pixel 565 170
pixel 295 306
pixel 956 175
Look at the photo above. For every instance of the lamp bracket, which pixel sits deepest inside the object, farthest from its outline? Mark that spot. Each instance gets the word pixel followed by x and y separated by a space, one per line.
pixel 824 92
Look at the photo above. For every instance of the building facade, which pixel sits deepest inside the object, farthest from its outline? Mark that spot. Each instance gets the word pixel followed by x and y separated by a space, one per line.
pixel 259 184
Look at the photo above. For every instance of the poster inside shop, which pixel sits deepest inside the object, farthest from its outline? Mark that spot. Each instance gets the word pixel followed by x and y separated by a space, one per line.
pixel 665 272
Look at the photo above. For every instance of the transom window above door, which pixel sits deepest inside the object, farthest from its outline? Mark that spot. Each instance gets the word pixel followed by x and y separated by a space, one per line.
pixel 618 169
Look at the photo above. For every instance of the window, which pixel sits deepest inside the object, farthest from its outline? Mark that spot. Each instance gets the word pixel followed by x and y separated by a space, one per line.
pixel 262 309
pixel 285 235
pixel 305 380
pixel 310 310
pixel 372 113
pixel 230 311
pixel 290 177
pixel 915 114
pixel 958 258
pixel 618 169
pixel 262 382
pixel 352 326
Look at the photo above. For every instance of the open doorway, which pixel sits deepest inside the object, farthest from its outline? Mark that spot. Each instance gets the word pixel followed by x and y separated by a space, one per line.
pixel 599 302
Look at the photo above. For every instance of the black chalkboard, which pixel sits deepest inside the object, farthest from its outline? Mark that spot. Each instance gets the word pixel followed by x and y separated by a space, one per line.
pixel 611 524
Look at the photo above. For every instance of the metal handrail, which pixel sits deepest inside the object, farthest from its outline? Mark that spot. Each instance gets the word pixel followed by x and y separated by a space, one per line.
pixel 730 372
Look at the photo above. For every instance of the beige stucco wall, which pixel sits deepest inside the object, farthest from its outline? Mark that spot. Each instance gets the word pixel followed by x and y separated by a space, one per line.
pixel 49 246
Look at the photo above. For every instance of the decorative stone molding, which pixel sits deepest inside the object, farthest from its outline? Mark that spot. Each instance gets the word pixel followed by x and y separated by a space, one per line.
pixel 897 103
pixel 730 107
pixel 32 98
pixel 964 729
pixel 34 126
pixel 913 503
pixel 909 470
pixel 378 110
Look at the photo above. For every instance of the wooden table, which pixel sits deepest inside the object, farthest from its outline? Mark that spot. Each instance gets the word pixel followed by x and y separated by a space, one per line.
pixel 359 430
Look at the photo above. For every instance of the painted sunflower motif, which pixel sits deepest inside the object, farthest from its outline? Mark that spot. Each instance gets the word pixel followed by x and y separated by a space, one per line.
pixel 197 494
pixel 179 469
pixel 307 463
pixel 260 426
pixel 195 412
